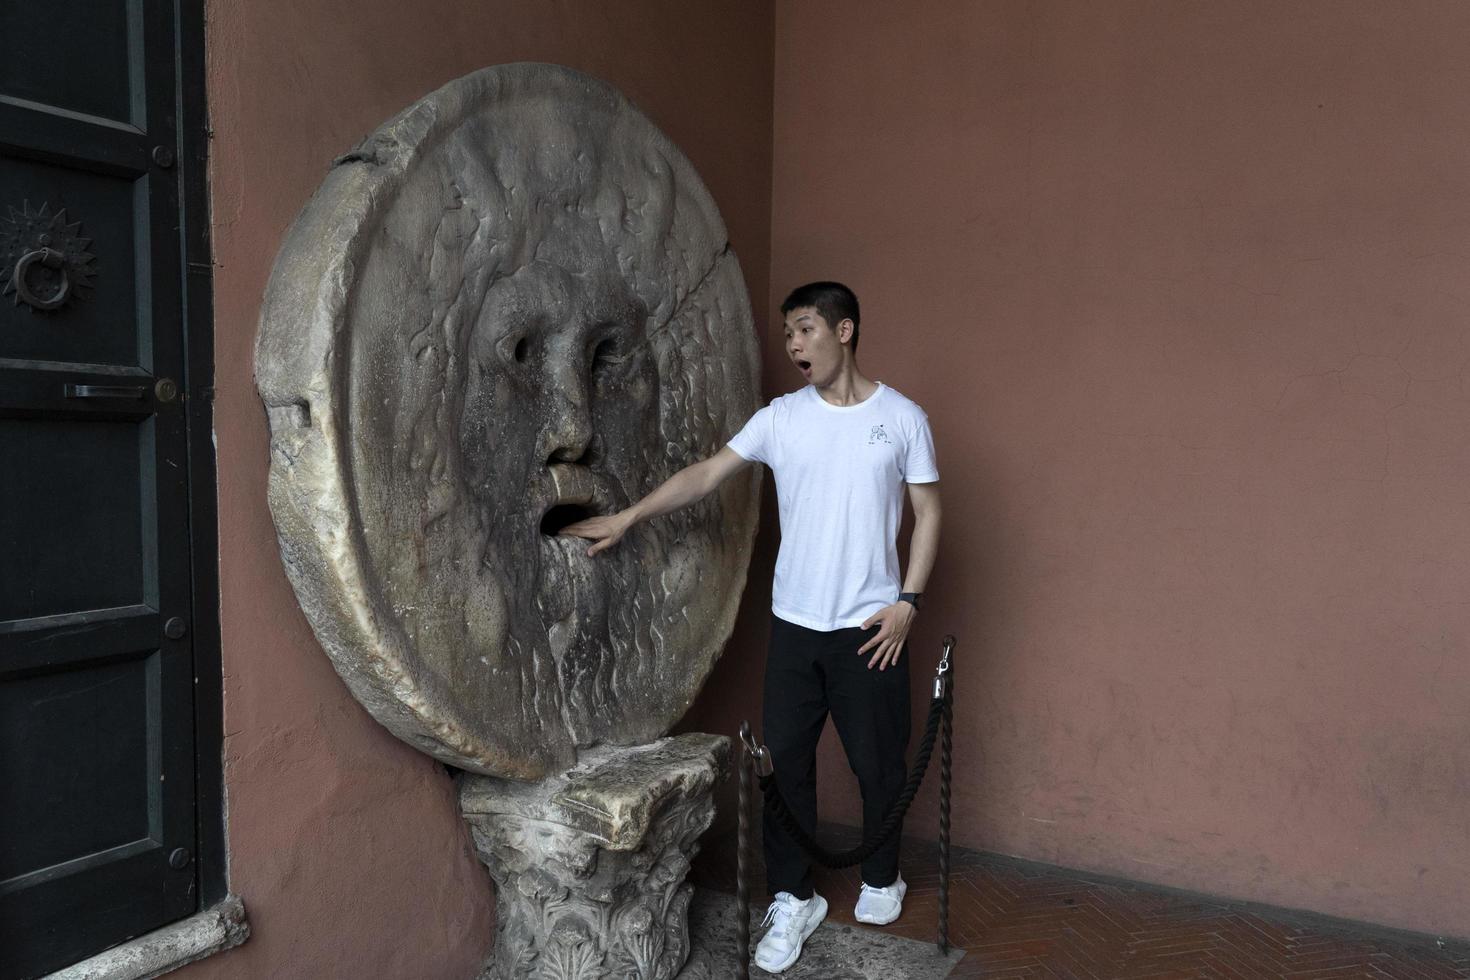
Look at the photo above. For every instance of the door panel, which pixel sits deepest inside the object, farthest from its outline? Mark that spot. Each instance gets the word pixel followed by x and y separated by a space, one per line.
pixel 97 771
pixel 89 471
pixel 99 790
pixel 71 55
pixel 102 325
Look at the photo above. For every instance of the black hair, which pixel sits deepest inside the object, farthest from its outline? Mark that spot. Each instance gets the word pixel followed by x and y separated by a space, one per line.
pixel 831 299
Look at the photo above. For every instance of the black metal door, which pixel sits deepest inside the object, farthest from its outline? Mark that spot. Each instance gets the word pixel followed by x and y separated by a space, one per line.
pixel 97 829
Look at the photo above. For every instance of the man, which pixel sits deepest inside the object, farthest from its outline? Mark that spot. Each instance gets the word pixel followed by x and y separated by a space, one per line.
pixel 842 450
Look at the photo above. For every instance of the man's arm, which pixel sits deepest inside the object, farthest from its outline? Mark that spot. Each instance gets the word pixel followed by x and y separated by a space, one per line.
pixel 691 483
pixel 924 544
pixel 896 619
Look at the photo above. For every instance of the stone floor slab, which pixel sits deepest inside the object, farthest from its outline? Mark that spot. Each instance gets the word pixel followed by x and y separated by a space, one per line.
pixel 836 951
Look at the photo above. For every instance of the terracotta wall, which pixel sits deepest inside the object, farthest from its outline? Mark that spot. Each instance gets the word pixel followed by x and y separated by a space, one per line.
pixel 1183 287
pixel 346 844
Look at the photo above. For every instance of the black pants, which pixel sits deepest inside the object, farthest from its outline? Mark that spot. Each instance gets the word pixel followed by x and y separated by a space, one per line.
pixel 810 673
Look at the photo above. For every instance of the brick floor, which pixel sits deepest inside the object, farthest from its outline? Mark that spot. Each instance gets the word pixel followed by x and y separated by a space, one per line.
pixel 1020 920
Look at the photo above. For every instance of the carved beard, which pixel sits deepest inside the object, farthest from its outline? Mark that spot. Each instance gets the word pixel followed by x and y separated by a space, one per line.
pixel 565 615
pixel 585 625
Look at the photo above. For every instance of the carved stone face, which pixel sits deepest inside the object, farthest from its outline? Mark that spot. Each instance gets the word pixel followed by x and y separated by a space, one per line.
pixel 565 357
pixel 559 415
pixel 513 307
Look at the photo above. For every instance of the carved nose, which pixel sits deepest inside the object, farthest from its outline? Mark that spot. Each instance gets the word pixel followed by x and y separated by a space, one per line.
pixel 569 431
pixel 570 448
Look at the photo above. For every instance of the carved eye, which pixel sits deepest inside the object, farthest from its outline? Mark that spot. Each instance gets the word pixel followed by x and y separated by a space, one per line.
pixel 606 354
pixel 515 348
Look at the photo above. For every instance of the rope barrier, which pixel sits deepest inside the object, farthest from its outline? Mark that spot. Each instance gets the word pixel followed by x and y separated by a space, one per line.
pixel 757 758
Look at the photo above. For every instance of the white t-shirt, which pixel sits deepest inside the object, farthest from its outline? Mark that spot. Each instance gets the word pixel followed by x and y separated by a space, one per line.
pixel 840 475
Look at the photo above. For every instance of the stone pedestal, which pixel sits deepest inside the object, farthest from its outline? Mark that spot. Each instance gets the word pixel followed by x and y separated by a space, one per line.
pixel 589 865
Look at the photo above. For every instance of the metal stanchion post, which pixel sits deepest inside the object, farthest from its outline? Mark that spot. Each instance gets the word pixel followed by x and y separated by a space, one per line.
pixel 944 690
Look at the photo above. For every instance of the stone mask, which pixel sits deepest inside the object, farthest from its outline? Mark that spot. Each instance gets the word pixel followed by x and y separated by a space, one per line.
pixel 513 306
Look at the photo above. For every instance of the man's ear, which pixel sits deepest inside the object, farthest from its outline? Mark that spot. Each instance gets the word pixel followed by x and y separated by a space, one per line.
pixel 844 331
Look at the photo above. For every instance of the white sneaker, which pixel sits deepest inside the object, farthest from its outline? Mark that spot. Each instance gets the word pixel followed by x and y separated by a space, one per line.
pixel 791 921
pixel 880 906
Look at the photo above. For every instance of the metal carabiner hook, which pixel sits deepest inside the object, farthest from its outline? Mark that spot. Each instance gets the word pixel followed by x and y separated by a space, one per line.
pixel 759 753
pixel 748 738
pixel 941 681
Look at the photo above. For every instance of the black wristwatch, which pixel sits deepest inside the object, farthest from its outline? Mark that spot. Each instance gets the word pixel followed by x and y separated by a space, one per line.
pixel 912 598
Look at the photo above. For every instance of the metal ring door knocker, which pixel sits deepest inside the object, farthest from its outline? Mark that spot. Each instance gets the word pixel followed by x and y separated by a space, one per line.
pixel 51 259
pixel 44 261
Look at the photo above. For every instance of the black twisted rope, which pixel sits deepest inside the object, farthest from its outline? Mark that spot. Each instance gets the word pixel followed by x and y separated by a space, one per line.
pixel 846 859
pixel 742 873
pixel 946 763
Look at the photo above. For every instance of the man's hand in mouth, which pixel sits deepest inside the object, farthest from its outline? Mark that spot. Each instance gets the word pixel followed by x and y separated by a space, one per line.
pixel 604 532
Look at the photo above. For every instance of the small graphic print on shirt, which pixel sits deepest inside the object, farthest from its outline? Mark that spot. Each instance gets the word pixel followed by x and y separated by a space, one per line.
pixel 877 435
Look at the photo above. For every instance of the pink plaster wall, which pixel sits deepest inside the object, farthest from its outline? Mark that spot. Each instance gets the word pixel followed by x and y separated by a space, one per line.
pixel 345 844
pixel 1183 287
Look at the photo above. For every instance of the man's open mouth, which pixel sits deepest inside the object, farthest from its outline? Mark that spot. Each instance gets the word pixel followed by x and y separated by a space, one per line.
pixel 804 365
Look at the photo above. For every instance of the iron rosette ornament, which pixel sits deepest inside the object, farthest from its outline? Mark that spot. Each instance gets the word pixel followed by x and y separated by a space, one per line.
pixel 512 306
pixel 44 260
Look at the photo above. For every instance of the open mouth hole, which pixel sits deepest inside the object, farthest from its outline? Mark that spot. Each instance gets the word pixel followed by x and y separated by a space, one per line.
pixel 804 365
pixel 562 515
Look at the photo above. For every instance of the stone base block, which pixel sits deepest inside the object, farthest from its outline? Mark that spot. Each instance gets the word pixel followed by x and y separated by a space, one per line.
pixel 589 865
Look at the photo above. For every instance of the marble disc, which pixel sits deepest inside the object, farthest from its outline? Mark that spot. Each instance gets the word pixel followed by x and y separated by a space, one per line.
pixel 514 305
